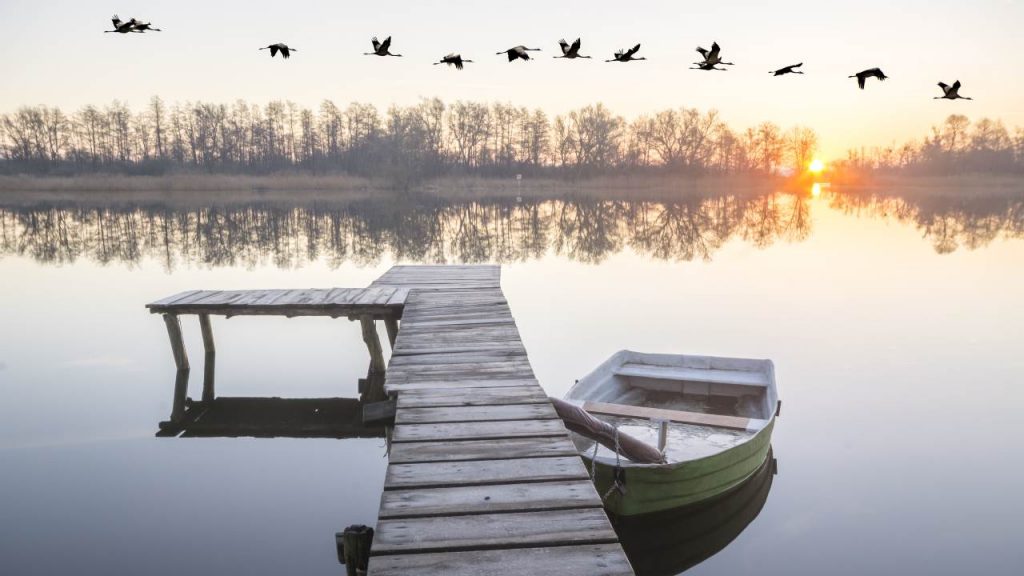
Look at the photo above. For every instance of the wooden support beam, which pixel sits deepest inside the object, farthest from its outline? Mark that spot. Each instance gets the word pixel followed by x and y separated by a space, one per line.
pixel 391 323
pixel 177 343
pixel 210 361
pixel 180 395
pixel 372 343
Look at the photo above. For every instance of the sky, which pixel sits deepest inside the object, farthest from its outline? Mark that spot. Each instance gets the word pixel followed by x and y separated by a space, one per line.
pixel 55 53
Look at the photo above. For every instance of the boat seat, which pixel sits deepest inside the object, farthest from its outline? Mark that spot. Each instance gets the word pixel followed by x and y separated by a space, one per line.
pixel 703 375
pixel 681 416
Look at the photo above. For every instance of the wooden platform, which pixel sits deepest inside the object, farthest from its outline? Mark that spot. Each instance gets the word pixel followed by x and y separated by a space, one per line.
pixel 482 478
pixel 482 475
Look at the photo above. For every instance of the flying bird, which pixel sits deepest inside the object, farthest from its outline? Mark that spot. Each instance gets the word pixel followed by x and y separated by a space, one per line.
pixel 281 47
pixel 791 69
pixel 713 56
pixel 951 92
pixel 706 66
pixel 570 51
pixel 453 60
pixel 518 53
pixel 862 77
pixel 143 26
pixel 122 27
pixel 381 48
pixel 626 55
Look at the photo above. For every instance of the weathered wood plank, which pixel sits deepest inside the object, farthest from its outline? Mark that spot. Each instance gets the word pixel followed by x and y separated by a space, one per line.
pixel 493 531
pixel 454 381
pixel 479 472
pixel 475 413
pixel 471 397
pixel 586 560
pixel 698 418
pixel 476 430
pixel 465 450
pixel 488 499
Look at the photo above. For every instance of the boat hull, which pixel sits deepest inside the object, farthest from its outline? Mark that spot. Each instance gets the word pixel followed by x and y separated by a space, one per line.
pixel 656 487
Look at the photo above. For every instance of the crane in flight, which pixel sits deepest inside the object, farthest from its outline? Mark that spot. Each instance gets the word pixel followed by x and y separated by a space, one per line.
pixel 626 55
pixel 791 69
pixel 122 27
pixel 381 48
pixel 281 47
pixel 951 92
pixel 712 57
pixel 453 60
pixel 862 76
pixel 518 53
pixel 570 50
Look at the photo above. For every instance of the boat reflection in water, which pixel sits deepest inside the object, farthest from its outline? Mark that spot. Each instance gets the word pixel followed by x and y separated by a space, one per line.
pixel 672 541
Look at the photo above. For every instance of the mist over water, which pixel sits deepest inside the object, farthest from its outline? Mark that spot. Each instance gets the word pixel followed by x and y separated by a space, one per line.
pixel 893 319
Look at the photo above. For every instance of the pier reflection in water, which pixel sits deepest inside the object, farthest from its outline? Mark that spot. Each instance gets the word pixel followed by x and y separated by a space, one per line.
pixel 292 234
pixel 672 541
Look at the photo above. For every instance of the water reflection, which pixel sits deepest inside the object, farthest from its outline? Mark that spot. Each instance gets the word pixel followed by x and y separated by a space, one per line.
pixel 670 542
pixel 289 235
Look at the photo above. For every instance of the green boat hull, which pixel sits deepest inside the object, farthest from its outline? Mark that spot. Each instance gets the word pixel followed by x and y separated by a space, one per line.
pixel 652 488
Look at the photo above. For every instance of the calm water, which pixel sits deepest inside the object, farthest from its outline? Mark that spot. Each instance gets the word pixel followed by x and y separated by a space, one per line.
pixel 895 323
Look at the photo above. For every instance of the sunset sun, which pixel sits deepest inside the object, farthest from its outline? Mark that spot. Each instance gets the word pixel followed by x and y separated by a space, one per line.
pixel 817 166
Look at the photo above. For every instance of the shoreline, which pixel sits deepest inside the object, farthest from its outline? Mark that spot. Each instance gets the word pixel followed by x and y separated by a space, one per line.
pixel 216 188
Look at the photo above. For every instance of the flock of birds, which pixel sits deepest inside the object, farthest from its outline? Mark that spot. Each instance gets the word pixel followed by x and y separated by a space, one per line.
pixel 711 59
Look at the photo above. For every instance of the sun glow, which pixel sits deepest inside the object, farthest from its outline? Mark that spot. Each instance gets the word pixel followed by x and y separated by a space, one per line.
pixel 816 189
pixel 817 166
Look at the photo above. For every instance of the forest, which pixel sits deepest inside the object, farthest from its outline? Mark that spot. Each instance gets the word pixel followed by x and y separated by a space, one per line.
pixel 403 144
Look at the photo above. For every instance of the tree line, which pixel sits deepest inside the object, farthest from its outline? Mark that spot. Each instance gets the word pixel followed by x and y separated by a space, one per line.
pixel 404 143
pixel 957 146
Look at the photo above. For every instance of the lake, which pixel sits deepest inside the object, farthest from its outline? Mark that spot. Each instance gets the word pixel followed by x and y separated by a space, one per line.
pixel 895 322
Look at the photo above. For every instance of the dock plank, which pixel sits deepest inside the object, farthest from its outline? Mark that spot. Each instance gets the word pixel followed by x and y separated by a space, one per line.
pixel 476 430
pixel 563 494
pixel 478 472
pixel 542 411
pixel 493 531
pixel 467 450
pixel 587 560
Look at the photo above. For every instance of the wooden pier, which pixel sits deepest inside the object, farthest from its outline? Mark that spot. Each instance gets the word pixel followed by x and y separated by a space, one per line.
pixel 482 475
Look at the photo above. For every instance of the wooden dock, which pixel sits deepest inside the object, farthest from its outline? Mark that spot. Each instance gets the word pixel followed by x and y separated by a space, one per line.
pixel 483 478
pixel 482 475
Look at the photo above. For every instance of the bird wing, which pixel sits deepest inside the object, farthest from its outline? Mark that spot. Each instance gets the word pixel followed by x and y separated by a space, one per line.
pixel 576 45
pixel 876 72
pixel 956 85
pixel 703 52
pixel 861 78
pixel 273 50
pixel 386 44
pixel 633 50
pixel 285 52
pixel 715 49
pixel 512 55
pixel 797 65
pixel 458 63
pixel 944 86
pixel 376 43
pixel 564 45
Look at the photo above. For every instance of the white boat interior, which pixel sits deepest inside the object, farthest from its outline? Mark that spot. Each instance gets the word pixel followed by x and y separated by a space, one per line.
pixel 706 404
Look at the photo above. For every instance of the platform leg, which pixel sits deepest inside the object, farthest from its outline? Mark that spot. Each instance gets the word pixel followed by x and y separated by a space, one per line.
pixel 210 361
pixel 391 324
pixel 372 343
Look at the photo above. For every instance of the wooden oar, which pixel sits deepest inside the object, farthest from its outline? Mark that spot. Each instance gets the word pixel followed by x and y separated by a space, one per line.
pixel 581 422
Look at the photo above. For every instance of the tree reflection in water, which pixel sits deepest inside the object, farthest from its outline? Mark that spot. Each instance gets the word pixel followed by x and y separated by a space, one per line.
pixel 437 231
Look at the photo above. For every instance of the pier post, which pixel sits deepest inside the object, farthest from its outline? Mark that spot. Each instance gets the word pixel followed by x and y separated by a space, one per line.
pixel 391 323
pixel 177 343
pixel 210 361
pixel 372 343
pixel 354 548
